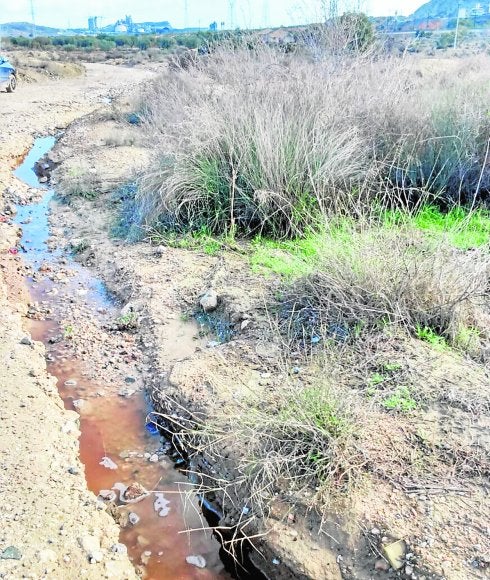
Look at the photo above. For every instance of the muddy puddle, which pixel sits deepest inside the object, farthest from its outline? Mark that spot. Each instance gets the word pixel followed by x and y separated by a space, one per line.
pixel 117 446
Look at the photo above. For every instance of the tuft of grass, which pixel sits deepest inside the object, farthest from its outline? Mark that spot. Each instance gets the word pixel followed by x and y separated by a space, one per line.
pixel 79 181
pixel 429 335
pixel 199 240
pixel 257 142
pixel 127 321
pixel 401 401
pixel 302 436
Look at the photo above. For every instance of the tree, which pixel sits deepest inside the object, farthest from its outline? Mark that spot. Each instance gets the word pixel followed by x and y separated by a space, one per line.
pixel 358 31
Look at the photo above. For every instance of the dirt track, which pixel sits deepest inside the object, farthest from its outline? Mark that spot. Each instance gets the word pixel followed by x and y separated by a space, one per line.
pixel 49 522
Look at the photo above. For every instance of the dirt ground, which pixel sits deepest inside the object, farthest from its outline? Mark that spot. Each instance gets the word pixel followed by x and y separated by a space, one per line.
pixel 425 483
pixel 50 525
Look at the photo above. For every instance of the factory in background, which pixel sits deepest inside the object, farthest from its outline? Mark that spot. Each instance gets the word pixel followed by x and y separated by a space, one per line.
pixel 127 26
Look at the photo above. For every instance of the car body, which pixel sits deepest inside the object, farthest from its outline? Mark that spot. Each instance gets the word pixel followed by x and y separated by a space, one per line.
pixel 8 76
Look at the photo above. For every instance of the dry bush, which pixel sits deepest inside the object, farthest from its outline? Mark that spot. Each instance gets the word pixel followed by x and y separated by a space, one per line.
pixel 294 438
pixel 257 141
pixel 376 277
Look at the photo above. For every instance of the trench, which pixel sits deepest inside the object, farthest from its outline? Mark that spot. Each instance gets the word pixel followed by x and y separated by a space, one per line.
pixel 117 447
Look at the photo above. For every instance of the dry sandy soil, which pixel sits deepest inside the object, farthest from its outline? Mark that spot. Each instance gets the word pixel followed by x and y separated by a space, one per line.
pixel 424 481
pixel 49 523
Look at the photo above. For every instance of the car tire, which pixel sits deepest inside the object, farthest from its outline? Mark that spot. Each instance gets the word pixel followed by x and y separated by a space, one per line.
pixel 12 84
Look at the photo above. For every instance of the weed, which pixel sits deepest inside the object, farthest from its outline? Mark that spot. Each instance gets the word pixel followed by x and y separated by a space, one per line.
pixel 79 181
pixel 429 335
pixel 80 247
pixel 468 339
pixel 68 331
pixel 401 401
pixel 281 142
pixel 376 379
pixel 199 240
pixel 392 367
pixel 127 321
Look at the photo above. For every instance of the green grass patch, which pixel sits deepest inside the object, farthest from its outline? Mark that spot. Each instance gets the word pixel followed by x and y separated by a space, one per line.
pixel 461 228
pixel 401 401
pixel 200 240
pixel 429 335
pixel 298 257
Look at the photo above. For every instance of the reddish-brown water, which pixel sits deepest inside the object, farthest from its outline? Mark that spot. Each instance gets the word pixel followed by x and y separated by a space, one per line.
pixel 113 427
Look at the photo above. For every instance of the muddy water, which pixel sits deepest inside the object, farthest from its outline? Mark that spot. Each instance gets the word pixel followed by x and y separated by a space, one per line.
pixel 112 426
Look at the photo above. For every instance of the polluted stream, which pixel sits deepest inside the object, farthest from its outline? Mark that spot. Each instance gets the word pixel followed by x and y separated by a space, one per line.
pixel 164 531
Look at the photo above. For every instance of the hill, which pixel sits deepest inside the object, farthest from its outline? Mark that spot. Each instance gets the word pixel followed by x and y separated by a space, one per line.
pixel 445 8
pixel 25 29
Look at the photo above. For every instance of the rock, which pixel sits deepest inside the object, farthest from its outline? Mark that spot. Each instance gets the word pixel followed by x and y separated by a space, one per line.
pixel 245 324
pixel 159 251
pixel 161 505
pixel 408 570
pixel 381 565
pixel 27 341
pixel 129 380
pixel 70 383
pixel 142 541
pixel 79 403
pixel 197 561
pixel 11 553
pixel 134 493
pixel 127 393
pixel 96 557
pixel 43 179
pixel 133 518
pixel 153 458
pixel 119 549
pixel 73 471
pixel 395 554
pixel 145 557
pixel 209 302
pixel 108 463
pixel 447 569
pixel 91 546
pixel 375 532
pixel 108 495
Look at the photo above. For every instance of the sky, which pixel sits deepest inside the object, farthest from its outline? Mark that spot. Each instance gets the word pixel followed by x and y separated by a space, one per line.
pixel 246 13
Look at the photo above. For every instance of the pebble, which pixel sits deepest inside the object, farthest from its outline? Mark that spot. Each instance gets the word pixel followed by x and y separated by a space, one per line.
pixel 27 341
pixel 197 561
pixel 375 532
pixel 153 458
pixel 408 570
pixel 73 471
pixel 133 518
pixel 11 553
pixel 209 302
pixel 96 557
pixel 70 383
pixel 119 549
pixel 381 565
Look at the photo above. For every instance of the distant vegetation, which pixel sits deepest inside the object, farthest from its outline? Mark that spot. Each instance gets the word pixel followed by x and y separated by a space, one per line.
pixel 106 42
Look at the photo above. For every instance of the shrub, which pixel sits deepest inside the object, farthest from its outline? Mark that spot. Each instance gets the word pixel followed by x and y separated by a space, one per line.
pixel 302 436
pixel 376 277
pixel 259 142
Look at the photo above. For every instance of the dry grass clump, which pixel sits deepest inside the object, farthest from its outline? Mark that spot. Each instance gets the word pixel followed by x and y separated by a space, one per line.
pixel 376 277
pixel 261 142
pixel 300 440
